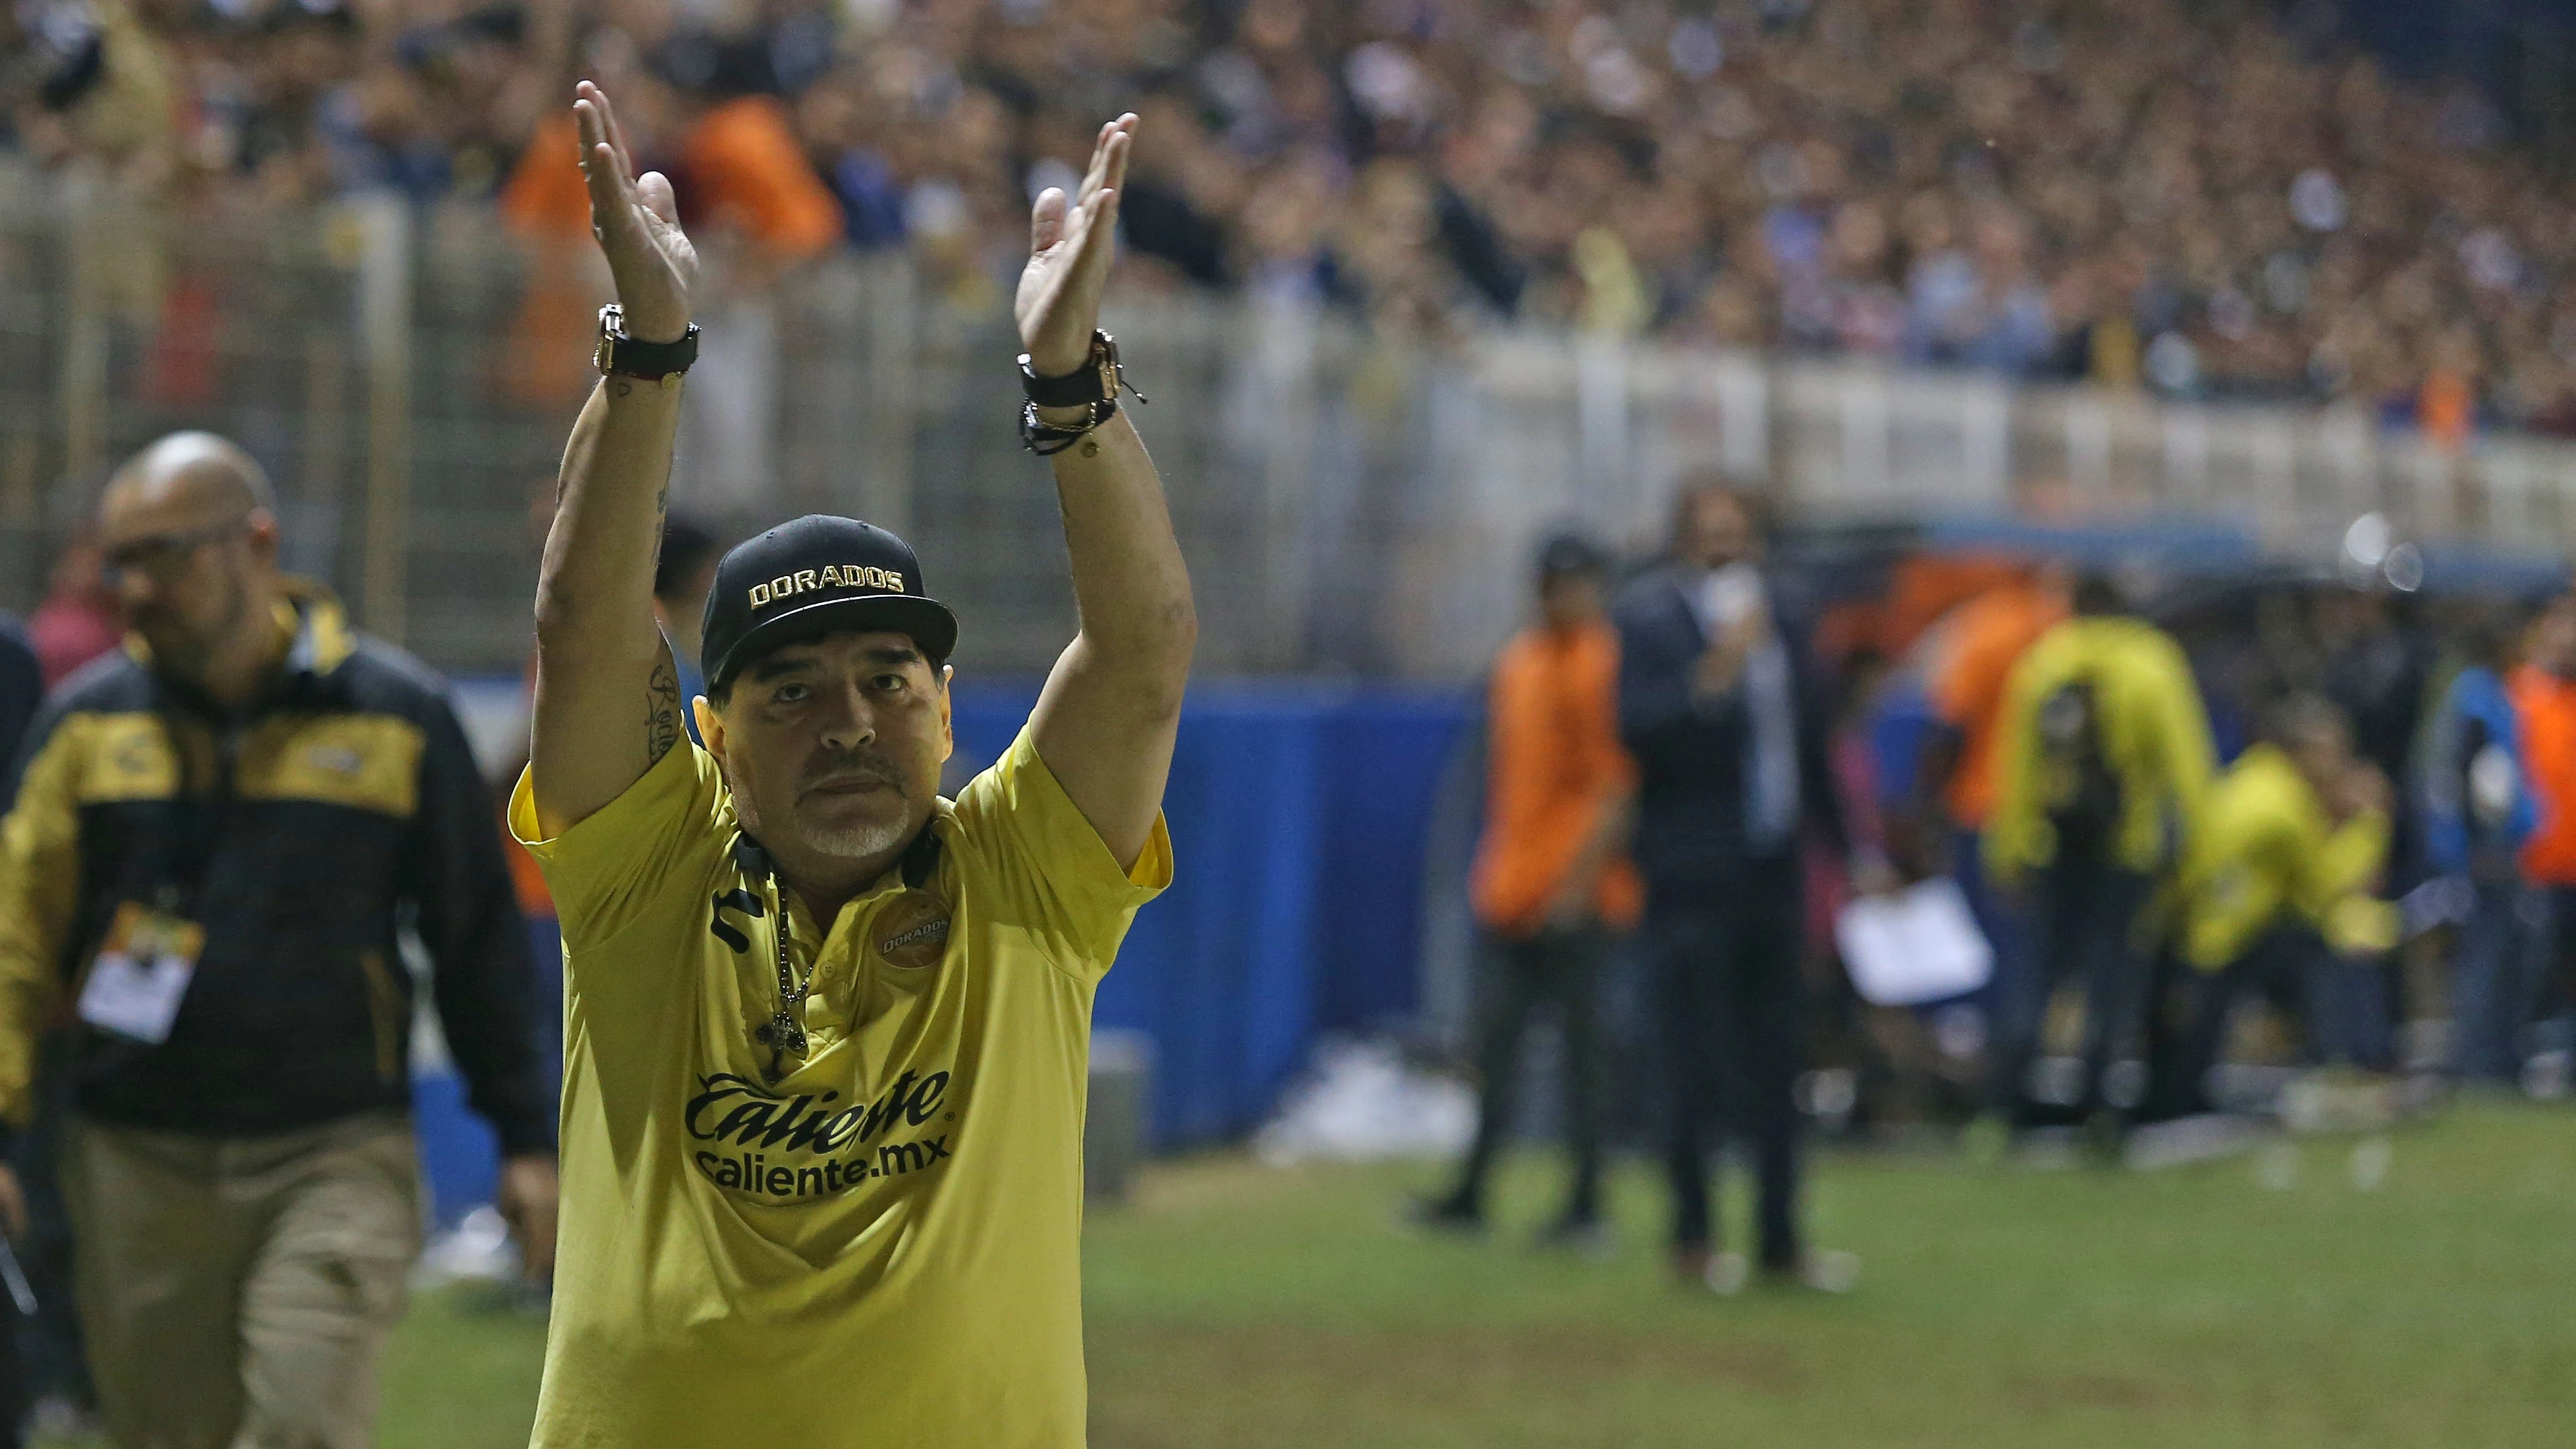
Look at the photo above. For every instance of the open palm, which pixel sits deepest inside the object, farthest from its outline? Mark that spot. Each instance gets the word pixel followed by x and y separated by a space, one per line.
pixel 1071 244
pixel 637 222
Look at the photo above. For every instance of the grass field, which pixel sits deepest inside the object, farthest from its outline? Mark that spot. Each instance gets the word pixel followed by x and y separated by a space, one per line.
pixel 1237 1307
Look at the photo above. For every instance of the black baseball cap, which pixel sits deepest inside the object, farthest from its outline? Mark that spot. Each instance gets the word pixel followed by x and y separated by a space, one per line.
pixel 815 576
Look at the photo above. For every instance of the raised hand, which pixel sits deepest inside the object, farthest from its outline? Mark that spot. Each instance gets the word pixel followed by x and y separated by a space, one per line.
pixel 637 222
pixel 1070 247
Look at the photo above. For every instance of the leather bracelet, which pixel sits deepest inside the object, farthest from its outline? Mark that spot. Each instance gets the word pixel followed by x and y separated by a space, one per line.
pixel 1046 439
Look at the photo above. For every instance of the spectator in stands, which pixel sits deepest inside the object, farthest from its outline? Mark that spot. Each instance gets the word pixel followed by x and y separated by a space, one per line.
pixel 2188 195
pixel 2275 893
pixel 2478 808
pixel 77 622
pixel 217 838
pixel 704 108
pixel 2544 711
pixel 1721 706
pixel 1552 883
pixel 2102 761
pixel 1982 307
pixel 105 98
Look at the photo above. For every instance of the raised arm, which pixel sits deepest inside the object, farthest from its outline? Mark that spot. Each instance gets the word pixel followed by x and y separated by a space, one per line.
pixel 1111 709
pixel 607 698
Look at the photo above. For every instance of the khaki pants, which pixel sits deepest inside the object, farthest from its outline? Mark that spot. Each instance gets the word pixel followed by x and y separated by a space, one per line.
pixel 235 1291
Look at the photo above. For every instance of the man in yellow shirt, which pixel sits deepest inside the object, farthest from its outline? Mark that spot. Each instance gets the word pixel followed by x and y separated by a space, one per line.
pixel 826 1034
pixel 2275 888
pixel 2103 757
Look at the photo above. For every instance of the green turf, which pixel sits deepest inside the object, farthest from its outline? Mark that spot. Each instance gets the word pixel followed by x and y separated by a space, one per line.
pixel 1235 1307
pixel 1240 1307
pixel 461 1373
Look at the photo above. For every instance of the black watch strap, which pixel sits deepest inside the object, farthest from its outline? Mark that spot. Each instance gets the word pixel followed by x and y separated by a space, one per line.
pixel 1096 381
pixel 627 356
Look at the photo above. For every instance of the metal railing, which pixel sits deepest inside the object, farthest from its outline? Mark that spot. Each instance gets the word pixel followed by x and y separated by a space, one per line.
pixel 1350 504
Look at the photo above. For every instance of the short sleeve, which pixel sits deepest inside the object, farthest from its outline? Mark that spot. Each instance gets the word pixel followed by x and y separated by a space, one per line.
pixel 1047 869
pixel 671 825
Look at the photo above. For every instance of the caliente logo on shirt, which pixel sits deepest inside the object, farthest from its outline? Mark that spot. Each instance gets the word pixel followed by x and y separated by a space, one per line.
pixel 810 1145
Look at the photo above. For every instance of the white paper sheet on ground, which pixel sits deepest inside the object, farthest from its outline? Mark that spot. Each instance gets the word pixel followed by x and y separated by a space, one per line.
pixel 1919 944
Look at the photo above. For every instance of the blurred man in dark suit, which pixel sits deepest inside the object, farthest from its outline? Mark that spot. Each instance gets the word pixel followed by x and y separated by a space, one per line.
pixel 1722 709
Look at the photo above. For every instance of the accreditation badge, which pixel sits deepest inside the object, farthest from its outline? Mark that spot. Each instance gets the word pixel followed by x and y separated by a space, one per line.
pixel 141 973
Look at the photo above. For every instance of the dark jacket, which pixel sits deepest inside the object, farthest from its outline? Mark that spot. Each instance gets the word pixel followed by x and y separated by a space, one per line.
pixel 22 687
pixel 304 834
pixel 1690 755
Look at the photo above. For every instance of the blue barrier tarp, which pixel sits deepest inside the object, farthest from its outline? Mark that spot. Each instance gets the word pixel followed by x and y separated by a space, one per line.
pixel 1298 818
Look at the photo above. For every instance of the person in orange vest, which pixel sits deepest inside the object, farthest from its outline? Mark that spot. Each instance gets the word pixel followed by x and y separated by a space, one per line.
pixel 1551 882
pixel 1955 770
pixel 2544 709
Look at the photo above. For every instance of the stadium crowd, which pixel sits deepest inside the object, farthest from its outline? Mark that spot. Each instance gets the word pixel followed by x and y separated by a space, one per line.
pixel 2182 195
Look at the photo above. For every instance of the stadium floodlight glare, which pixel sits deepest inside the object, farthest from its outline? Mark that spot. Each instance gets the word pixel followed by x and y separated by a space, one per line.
pixel 2367 541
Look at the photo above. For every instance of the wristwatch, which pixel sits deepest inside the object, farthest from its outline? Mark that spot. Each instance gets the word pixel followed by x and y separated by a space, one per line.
pixel 1092 387
pixel 623 356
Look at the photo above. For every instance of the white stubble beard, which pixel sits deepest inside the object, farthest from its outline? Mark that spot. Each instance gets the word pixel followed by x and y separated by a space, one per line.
pixel 857 842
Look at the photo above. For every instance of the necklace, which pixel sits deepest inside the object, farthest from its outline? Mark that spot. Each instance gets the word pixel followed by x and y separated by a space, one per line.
pixel 784 1032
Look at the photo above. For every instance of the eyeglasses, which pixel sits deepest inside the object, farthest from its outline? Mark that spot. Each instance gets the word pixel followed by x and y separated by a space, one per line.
pixel 162 555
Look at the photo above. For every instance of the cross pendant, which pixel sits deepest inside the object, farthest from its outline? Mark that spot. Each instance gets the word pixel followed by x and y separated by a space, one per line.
pixel 783 1034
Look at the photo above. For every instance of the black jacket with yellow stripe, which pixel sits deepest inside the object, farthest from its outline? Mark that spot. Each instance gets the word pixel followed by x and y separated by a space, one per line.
pixel 302 833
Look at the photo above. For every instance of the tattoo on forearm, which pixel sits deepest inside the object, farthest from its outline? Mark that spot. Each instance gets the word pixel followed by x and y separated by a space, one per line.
pixel 661 711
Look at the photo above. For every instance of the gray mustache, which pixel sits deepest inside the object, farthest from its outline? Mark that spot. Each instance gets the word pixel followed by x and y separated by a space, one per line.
pixel 851 770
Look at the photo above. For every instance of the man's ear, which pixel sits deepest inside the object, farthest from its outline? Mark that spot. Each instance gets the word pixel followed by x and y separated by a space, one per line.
pixel 947 715
pixel 261 528
pixel 710 725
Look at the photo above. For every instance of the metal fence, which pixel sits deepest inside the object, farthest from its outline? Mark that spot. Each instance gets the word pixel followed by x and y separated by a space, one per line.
pixel 1349 504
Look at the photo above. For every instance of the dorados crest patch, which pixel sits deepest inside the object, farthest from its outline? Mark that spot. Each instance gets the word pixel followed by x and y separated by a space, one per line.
pixel 912 930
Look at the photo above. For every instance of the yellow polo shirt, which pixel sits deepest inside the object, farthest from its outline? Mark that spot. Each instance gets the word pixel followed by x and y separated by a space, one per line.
pixel 882 1247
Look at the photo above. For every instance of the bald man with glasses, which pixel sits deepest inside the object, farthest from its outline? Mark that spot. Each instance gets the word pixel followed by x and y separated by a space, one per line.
pixel 218 834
